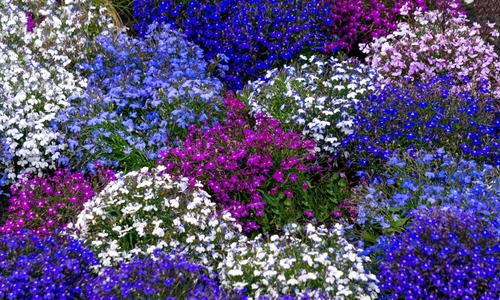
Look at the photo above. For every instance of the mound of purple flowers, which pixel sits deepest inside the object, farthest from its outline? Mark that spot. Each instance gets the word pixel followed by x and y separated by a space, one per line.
pixel 428 117
pixel 165 277
pixel 48 267
pixel 255 35
pixel 443 254
pixel 249 164
pixel 45 203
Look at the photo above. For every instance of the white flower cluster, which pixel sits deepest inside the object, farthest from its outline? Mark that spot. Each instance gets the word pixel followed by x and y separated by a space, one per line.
pixel 316 97
pixel 37 76
pixel 147 210
pixel 324 266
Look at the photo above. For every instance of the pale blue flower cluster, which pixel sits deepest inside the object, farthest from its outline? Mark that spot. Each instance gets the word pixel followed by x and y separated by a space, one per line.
pixel 434 179
pixel 140 92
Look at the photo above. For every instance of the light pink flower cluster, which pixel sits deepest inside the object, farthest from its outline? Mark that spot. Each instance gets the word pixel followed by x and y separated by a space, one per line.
pixel 435 43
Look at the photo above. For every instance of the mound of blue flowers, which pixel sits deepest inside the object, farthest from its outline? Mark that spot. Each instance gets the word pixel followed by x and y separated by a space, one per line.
pixel 140 93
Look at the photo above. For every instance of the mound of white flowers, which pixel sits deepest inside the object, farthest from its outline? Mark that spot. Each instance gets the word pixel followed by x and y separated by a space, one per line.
pixel 306 262
pixel 40 41
pixel 315 96
pixel 147 210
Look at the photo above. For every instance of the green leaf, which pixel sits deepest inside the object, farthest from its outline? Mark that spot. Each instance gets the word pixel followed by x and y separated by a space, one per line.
pixel 342 183
pixel 369 237
pixel 276 211
pixel 400 223
pixel 270 200
pixel 390 230
pixel 396 208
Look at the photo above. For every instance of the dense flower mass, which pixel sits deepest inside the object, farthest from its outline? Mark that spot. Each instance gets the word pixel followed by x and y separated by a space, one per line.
pixel 361 21
pixel 444 254
pixel 315 96
pixel 140 92
pixel 165 276
pixel 49 267
pixel 322 178
pixel 435 43
pixel 256 170
pixel 255 35
pixel 306 262
pixel 46 203
pixel 429 116
pixel 40 41
pixel 434 179
pixel 147 210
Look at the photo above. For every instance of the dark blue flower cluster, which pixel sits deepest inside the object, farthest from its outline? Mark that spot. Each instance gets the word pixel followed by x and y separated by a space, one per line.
pixel 444 254
pixel 255 35
pixel 165 277
pixel 49 267
pixel 140 92
pixel 424 179
pixel 428 116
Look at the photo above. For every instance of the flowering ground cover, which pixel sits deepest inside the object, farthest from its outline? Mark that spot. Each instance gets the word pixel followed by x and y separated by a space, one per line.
pixel 239 150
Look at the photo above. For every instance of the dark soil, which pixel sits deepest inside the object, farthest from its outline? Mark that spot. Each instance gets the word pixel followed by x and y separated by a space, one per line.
pixel 4 207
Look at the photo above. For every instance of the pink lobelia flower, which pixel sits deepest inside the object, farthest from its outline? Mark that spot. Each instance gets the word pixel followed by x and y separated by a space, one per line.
pixel 31 22
pixel 288 193
pixel 309 214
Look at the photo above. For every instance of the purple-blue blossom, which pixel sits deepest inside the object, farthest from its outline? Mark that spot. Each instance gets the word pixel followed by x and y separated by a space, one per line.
pixel 48 267
pixel 443 254
pixel 460 122
pixel 254 36
pixel 168 275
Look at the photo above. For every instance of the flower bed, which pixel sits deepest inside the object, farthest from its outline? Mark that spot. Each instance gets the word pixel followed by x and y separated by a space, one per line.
pixel 133 171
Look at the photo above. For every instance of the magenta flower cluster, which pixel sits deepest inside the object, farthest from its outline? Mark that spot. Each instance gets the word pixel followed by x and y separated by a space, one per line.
pixel 237 161
pixel 45 203
pixel 361 21
pixel 31 22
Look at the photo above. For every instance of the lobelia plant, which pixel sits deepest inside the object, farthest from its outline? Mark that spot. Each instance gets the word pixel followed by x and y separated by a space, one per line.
pixel 315 96
pixel 422 179
pixel 444 254
pixel 263 175
pixel 47 267
pixel 484 13
pixel 140 92
pixel 361 21
pixel 158 277
pixel 147 210
pixel 305 263
pixel 45 203
pixel 428 117
pixel 255 35
pixel 40 42
pixel 436 43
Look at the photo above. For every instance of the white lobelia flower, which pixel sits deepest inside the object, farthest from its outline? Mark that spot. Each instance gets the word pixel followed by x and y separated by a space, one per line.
pixel 235 272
